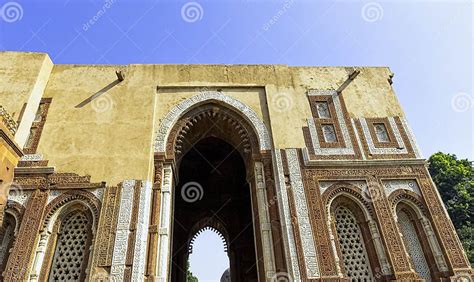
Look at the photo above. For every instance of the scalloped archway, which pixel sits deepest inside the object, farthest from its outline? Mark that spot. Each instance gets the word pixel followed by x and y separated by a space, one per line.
pixel 206 97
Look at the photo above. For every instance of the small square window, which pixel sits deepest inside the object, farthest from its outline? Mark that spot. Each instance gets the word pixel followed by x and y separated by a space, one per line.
pixel 381 132
pixel 323 110
pixel 329 133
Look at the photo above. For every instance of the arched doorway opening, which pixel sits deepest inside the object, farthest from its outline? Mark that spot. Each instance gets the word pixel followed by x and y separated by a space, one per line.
pixel 208 268
pixel 234 138
pixel 213 191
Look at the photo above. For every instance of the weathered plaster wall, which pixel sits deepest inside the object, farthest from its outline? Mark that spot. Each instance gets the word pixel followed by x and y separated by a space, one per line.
pixel 111 137
pixel 23 77
pixel 108 138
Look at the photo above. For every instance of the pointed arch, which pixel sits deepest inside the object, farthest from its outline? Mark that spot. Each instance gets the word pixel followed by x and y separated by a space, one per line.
pixel 72 212
pixel 179 110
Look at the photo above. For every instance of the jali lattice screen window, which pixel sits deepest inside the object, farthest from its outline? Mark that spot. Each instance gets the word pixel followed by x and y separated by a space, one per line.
pixel 354 253
pixel 72 244
pixel 413 245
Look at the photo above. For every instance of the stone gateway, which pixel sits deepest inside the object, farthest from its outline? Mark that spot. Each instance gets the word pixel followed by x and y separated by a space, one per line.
pixel 110 172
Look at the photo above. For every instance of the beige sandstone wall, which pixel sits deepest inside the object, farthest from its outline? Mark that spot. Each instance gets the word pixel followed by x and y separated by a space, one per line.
pixel 111 138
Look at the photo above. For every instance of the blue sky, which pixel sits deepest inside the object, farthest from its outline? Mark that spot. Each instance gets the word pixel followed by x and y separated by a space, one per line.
pixel 427 44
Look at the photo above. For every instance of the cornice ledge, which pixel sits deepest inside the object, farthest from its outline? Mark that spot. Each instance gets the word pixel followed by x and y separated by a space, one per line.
pixel 33 170
pixel 380 162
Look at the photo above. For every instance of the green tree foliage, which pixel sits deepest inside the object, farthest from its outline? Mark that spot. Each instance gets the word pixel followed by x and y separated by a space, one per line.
pixel 455 181
pixel 189 275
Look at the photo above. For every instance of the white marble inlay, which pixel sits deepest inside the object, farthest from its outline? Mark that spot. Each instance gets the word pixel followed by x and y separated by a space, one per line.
pixel 19 196
pixel 396 184
pixel 123 230
pixel 379 151
pixel 302 214
pixel 139 258
pixel 175 113
pixel 325 184
pixel 348 150
pixel 287 228
pixel 32 157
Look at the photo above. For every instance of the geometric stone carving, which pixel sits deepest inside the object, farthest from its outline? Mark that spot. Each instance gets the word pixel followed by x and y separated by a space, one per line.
pixel 413 246
pixel 354 253
pixel 19 196
pixel 176 112
pixel 324 185
pixel 123 229
pixel 32 157
pixel 68 261
pixel 302 214
pixel 401 147
pixel 288 237
pixel 341 120
pixel 264 219
pixel 396 184
pixel 144 207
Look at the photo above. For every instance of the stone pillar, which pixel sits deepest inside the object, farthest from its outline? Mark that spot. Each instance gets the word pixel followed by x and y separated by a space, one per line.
pixel 434 245
pixel 374 232
pixel 334 247
pixel 18 265
pixel 164 230
pixel 398 256
pixel 154 222
pixel 39 257
pixel 139 251
pixel 265 226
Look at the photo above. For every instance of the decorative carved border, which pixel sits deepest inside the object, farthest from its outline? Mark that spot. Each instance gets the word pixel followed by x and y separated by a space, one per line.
pixel 402 137
pixel 144 206
pixel 340 143
pixel 317 149
pixel 214 120
pixel 18 263
pixel 310 260
pixel 402 194
pixel 92 202
pixel 117 269
pixel 441 224
pixel 173 116
pixel 393 142
pixel 285 219
pixel 345 187
pixel 107 225
pixel 392 185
